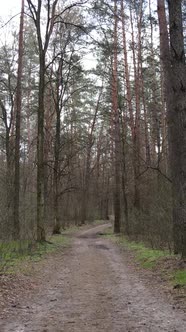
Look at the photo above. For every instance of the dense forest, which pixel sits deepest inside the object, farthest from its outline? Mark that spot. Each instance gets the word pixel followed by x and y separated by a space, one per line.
pixel 81 142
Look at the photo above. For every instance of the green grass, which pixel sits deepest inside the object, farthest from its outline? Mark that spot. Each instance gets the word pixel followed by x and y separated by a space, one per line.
pixel 99 222
pixel 108 234
pixel 148 258
pixel 152 258
pixel 70 229
pixel 13 253
pixel 179 277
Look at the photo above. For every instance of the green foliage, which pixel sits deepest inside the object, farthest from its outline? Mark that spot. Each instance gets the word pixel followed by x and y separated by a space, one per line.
pixel 179 278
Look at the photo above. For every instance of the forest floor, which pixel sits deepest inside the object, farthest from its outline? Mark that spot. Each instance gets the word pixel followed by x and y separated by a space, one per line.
pixel 91 286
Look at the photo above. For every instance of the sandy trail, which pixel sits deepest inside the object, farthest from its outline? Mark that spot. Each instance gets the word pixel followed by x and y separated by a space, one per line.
pixel 91 289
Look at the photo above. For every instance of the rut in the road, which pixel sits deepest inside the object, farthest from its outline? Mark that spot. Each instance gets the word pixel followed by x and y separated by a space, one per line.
pixel 92 289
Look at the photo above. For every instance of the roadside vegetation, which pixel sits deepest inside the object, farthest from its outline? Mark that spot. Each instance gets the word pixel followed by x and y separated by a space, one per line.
pixel 163 262
pixel 15 254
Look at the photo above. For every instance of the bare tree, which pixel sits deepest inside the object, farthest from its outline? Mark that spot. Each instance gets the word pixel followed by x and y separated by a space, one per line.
pixel 36 12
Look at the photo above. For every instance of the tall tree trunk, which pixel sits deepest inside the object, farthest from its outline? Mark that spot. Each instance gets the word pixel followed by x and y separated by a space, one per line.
pixel 9 163
pixel 40 153
pixel 36 11
pixel 173 59
pixel 136 142
pixel 147 141
pixel 117 151
pixel 155 110
pixel 124 177
pixel 163 123
pixel 177 123
pixel 126 69
pixel 16 231
pixel 57 144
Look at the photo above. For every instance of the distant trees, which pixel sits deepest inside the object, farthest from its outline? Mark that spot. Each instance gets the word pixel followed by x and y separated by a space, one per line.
pixel 79 144
pixel 53 15
pixel 143 117
pixel 65 111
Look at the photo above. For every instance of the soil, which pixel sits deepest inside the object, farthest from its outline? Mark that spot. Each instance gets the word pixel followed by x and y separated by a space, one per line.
pixel 90 287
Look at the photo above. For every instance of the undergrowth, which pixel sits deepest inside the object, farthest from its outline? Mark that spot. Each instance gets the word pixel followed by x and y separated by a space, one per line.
pixel 148 258
pixel 74 228
pixel 13 253
pixel 152 258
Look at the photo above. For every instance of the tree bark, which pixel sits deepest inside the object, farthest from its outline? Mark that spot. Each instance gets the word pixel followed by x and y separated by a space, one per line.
pixel 40 152
pixel 35 11
pixel 173 59
pixel 177 124
pixel 117 150
pixel 16 230
pixel 136 140
pixel 124 177
pixel 56 229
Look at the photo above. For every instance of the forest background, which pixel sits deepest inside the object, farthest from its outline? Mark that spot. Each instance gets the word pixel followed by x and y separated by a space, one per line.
pixel 80 142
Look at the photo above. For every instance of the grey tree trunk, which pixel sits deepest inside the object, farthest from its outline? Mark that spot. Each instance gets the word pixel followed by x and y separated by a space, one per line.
pixel 56 228
pixel 40 153
pixel 117 150
pixel 35 11
pixel 16 221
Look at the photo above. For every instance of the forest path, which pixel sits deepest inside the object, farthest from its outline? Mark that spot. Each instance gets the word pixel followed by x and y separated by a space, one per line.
pixel 91 288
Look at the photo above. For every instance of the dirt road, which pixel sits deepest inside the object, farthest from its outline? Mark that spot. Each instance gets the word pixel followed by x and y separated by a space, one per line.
pixel 92 289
